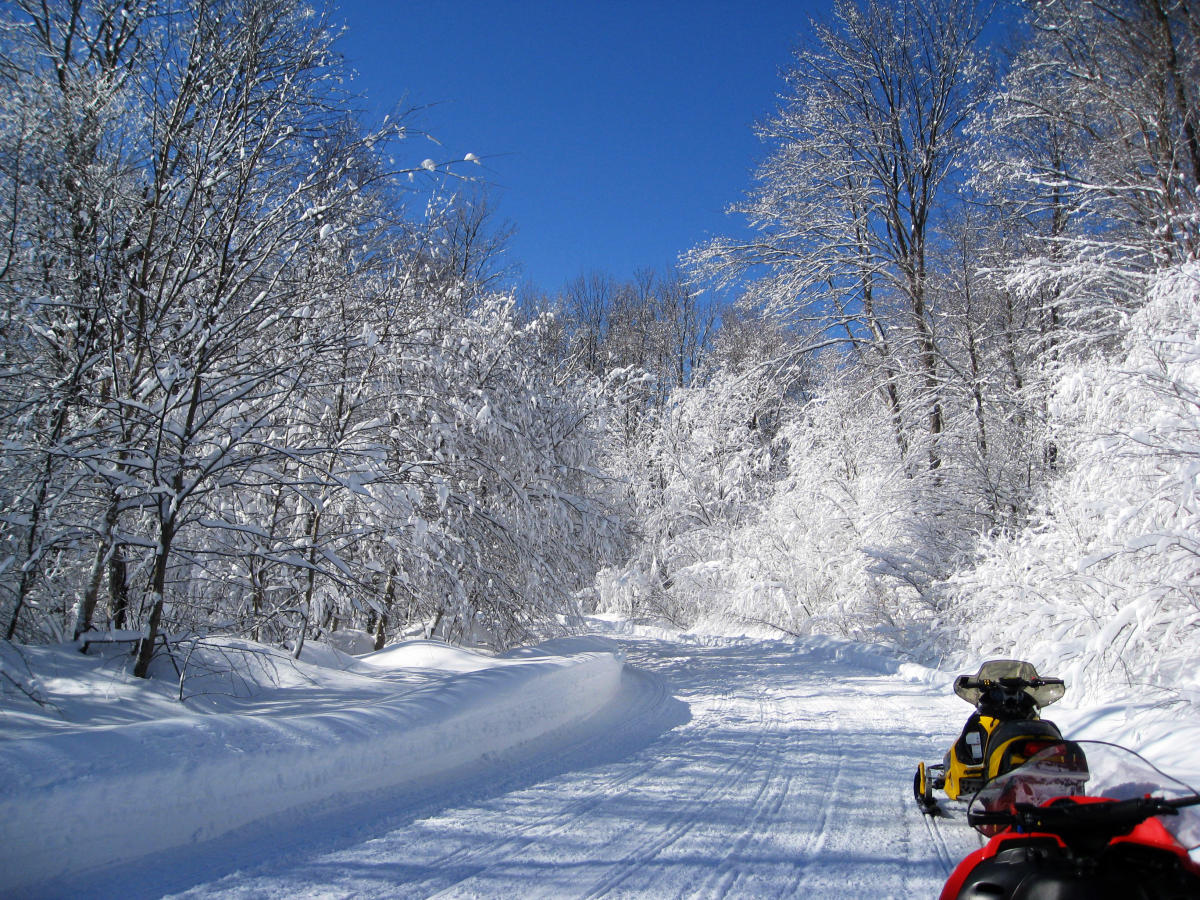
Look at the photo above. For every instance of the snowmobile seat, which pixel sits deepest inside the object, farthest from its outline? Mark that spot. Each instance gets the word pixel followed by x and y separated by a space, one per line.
pixel 1007 745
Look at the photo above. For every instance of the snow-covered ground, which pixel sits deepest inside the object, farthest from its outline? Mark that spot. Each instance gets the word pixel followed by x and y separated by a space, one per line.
pixel 704 767
pixel 113 768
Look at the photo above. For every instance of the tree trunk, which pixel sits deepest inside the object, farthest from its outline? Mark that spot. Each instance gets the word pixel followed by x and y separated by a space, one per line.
pixel 118 587
pixel 158 587
pixel 29 569
pixel 86 608
pixel 314 530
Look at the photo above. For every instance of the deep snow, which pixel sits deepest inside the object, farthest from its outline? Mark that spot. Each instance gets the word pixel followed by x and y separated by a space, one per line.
pixel 277 737
pixel 705 767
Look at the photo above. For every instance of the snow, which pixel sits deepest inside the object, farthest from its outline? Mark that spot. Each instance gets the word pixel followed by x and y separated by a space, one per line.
pixel 330 730
pixel 634 761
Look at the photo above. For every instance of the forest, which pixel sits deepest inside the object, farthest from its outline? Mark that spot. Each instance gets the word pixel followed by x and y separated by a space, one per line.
pixel 264 373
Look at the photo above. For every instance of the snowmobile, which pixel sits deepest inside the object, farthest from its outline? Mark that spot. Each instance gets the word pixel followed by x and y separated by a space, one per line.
pixel 1004 731
pixel 1082 819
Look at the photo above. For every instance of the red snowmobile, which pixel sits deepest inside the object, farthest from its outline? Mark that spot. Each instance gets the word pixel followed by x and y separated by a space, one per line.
pixel 1082 820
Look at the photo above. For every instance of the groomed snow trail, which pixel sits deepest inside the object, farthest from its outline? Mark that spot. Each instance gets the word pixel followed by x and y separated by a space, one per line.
pixel 725 769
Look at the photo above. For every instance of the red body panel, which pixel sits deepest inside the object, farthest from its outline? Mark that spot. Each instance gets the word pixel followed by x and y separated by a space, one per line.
pixel 955 882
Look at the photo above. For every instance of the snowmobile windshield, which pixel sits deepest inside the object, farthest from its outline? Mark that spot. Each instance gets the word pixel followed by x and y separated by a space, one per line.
pixel 1092 769
pixel 1045 693
pixel 1013 674
pixel 997 669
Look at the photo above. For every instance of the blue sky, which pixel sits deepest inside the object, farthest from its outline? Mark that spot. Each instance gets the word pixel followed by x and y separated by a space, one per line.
pixel 614 134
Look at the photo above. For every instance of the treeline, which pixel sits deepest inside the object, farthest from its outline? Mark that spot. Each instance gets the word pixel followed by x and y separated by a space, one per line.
pixel 243 389
pixel 957 259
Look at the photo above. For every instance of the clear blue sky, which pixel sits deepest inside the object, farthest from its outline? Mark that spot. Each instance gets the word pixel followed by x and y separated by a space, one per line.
pixel 614 133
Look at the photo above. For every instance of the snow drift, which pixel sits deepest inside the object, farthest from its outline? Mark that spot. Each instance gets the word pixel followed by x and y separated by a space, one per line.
pixel 194 776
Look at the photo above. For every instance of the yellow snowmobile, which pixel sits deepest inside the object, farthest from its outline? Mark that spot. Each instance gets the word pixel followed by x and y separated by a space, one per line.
pixel 1004 731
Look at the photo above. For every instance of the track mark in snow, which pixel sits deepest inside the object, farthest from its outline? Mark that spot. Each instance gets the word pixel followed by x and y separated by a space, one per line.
pixel 724 788
pixel 939 843
pixel 469 860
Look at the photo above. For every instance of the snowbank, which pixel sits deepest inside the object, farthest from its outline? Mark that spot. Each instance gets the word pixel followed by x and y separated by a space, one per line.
pixel 197 775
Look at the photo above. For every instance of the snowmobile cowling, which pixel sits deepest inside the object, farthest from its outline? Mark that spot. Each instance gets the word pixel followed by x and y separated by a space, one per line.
pixel 1081 820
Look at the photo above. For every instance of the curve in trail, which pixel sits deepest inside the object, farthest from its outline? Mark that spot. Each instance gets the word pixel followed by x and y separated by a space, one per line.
pixel 736 768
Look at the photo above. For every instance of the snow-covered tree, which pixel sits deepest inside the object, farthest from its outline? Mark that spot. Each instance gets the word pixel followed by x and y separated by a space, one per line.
pixel 849 201
pixel 697 475
pixel 240 380
pixel 1094 137
pixel 67 93
pixel 1134 71
pixel 1104 586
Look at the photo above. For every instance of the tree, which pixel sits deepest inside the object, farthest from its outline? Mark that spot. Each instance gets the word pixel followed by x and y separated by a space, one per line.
pixel 180 280
pixel 587 304
pixel 848 203
pixel 67 83
pixel 1096 131
pixel 467 245
pixel 1106 578
pixel 1131 73
pixel 234 202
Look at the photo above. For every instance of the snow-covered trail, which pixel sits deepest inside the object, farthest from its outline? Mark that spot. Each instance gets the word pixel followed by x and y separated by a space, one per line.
pixel 736 768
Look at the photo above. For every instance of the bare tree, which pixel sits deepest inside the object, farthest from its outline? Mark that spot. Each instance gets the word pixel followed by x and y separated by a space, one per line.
pixel 1097 131
pixel 587 302
pixel 848 203
pixel 469 246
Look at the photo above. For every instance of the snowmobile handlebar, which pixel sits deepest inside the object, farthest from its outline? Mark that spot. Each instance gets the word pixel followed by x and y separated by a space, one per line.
pixel 968 681
pixel 1066 817
pixel 1009 695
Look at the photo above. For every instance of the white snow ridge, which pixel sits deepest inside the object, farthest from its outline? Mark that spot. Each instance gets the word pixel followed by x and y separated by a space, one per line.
pixel 401 716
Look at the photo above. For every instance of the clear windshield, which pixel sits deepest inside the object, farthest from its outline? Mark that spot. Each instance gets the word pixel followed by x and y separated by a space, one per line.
pixel 995 669
pixel 1094 769
pixel 1044 692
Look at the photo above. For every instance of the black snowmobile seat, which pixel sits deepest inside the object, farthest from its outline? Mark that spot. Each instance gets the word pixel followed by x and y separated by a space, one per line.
pixel 1026 728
